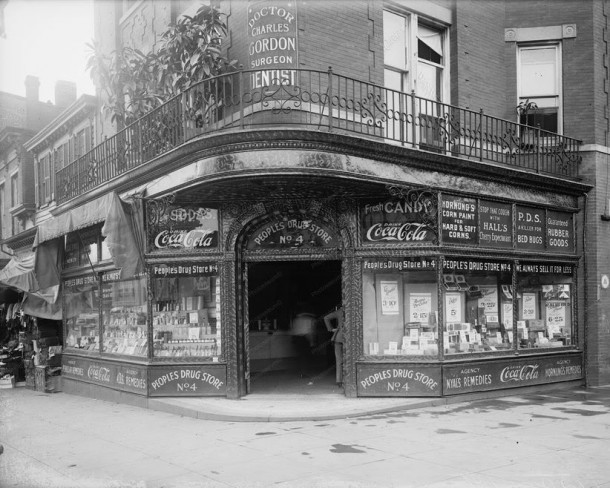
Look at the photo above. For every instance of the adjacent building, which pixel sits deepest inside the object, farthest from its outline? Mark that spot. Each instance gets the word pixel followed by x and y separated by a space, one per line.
pixel 438 170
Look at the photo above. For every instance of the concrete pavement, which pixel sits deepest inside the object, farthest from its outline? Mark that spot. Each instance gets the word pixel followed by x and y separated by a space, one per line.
pixel 558 438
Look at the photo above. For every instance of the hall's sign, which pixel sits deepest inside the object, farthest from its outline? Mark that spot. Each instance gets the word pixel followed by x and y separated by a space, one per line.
pixel 272 43
pixel 284 232
pixel 495 224
pixel 182 227
pixel 399 221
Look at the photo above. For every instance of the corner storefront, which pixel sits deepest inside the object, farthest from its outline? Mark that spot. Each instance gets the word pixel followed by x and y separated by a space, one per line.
pixel 459 286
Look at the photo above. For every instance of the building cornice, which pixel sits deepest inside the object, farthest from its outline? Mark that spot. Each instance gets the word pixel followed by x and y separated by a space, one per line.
pixel 71 116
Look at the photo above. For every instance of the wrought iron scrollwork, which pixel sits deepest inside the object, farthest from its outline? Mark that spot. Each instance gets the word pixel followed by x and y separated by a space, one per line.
pixel 157 207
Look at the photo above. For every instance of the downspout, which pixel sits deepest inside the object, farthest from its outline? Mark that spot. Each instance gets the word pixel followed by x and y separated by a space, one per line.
pixel 586 288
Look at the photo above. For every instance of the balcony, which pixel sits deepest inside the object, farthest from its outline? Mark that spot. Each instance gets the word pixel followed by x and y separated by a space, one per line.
pixel 319 101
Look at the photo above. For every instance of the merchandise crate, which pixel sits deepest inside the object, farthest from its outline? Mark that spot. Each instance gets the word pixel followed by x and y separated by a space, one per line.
pixel 41 378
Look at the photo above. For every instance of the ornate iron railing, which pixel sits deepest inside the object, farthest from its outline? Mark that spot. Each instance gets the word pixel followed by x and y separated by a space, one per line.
pixel 319 100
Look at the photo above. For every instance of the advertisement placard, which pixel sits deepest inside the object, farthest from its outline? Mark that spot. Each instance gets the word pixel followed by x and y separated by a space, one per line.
pixel 399 221
pixel 176 227
pixel 459 220
pixel 124 377
pixel 560 231
pixel 398 380
pixel 530 228
pixel 495 224
pixel 510 373
pixel 289 231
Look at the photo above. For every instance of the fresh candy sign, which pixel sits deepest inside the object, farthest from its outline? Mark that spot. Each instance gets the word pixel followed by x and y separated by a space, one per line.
pixel 398 221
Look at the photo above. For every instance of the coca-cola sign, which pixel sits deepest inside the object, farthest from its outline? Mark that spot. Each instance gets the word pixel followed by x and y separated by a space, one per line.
pixel 131 378
pixel 519 373
pixel 183 227
pixel 399 221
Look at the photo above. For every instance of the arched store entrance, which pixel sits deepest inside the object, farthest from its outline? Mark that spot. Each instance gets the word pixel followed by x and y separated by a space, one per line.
pixel 291 277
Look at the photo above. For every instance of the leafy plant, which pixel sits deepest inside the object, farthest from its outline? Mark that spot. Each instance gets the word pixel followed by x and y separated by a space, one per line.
pixel 134 83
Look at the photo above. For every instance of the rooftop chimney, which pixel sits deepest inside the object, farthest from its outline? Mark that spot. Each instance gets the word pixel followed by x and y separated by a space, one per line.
pixel 32 85
pixel 65 93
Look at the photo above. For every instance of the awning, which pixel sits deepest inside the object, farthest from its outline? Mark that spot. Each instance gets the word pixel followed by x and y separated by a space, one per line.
pixel 37 273
pixel 19 272
pixel 86 215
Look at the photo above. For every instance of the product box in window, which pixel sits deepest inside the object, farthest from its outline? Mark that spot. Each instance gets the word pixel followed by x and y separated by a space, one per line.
pixel 536 325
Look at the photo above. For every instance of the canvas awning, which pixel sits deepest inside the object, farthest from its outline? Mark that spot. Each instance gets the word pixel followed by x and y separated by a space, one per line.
pixel 86 215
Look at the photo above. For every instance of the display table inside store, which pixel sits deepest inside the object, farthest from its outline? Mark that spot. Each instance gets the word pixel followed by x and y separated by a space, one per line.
pixel 271 350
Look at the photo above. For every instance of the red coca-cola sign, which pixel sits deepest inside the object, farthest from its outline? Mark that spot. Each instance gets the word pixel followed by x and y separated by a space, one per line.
pixel 399 221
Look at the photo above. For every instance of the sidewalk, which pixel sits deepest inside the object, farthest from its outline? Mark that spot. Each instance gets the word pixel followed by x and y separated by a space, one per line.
pixel 543 439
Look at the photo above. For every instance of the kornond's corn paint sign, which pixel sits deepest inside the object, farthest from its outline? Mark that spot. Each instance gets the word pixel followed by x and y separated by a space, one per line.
pixel 182 227
pixel 399 221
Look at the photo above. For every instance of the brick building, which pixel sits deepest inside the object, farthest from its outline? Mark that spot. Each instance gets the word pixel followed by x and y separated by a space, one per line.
pixel 438 170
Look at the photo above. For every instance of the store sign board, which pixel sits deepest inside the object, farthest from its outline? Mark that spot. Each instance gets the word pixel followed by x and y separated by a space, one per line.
pixel 459 220
pixel 399 221
pixel 285 232
pixel 544 268
pixel 184 269
pixel 530 228
pixel 475 265
pixel 495 224
pixel 272 43
pixel 398 380
pixel 510 373
pixel 181 227
pixel 131 378
pixel 560 231
pixel 194 380
pixel 391 265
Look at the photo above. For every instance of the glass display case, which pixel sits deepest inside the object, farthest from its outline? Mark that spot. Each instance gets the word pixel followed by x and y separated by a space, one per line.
pixel 478 306
pixel 124 315
pixel 544 305
pixel 400 308
pixel 186 311
pixel 82 313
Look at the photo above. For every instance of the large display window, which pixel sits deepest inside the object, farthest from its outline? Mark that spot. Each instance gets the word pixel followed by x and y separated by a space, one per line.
pixel 82 313
pixel 544 304
pixel 400 308
pixel 478 306
pixel 124 314
pixel 186 310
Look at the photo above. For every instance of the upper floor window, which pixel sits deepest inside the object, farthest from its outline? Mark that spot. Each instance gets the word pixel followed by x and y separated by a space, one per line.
pixel 15 223
pixel 539 82
pixel 45 176
pixel 415 55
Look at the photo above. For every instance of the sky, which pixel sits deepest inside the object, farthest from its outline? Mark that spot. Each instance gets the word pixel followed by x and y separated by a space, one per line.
pixel 46 38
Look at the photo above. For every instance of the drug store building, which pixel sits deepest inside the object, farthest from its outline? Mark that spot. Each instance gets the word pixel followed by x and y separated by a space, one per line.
pixel 451 239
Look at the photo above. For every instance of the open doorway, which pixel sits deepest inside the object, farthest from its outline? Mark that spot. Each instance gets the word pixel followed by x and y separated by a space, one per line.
pixel 289 348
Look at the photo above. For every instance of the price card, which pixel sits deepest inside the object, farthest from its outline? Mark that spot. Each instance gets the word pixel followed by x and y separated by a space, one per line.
pixel 453 307
pixel 420 306
pixel 555 317
pixel 529 306
pixel 389 298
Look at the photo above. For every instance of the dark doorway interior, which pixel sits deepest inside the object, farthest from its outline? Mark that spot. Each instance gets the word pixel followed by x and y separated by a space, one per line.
pixel 290 348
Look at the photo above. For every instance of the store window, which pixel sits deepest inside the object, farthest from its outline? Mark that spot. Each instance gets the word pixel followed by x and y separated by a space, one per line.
pixel 124 315
pixel 478 306
pixel 186 310
pixel 85 247
pixel 544 305
pixel 82 313
pixel 2 209
pixel 539 86
pixel 400 308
